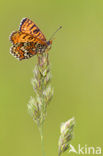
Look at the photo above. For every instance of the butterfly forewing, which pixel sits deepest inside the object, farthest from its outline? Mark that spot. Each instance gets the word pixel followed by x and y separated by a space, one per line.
pixel 17 37
pixel 29 27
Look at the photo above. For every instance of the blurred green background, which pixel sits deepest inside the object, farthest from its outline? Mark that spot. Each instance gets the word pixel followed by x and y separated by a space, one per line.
pixel 77 67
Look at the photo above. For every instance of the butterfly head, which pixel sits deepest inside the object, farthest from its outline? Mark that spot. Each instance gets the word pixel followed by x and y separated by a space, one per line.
pixel 49 43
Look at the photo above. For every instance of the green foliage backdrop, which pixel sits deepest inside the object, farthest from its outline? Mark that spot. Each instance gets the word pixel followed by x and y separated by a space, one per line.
pixel 77 66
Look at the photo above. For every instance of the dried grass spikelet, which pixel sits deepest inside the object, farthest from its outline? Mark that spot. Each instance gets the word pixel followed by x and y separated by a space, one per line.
pixel 43 92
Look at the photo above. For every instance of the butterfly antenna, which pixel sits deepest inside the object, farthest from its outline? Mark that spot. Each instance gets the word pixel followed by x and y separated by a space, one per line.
pixel 55 33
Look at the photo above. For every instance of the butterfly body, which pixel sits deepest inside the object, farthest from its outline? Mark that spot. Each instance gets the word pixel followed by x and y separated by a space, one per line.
pixel 28 41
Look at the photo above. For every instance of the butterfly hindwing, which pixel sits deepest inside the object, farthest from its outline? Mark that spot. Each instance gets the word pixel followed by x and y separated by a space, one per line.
pixel 23 50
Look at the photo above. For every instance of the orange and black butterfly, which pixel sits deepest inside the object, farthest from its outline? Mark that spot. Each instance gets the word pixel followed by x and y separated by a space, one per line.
pixel 28 41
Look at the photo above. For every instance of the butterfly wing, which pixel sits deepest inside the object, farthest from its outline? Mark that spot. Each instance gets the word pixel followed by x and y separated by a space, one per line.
pixel 23 50
pixel 29 27
pixel 24 45
pixel 17 37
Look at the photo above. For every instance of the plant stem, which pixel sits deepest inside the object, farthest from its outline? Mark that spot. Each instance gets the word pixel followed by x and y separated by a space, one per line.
pixel 42 139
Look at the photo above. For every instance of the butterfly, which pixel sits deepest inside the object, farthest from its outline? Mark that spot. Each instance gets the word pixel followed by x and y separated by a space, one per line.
pixel 28 40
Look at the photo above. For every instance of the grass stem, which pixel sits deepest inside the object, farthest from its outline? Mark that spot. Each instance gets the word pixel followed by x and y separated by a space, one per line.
pixel 42 139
